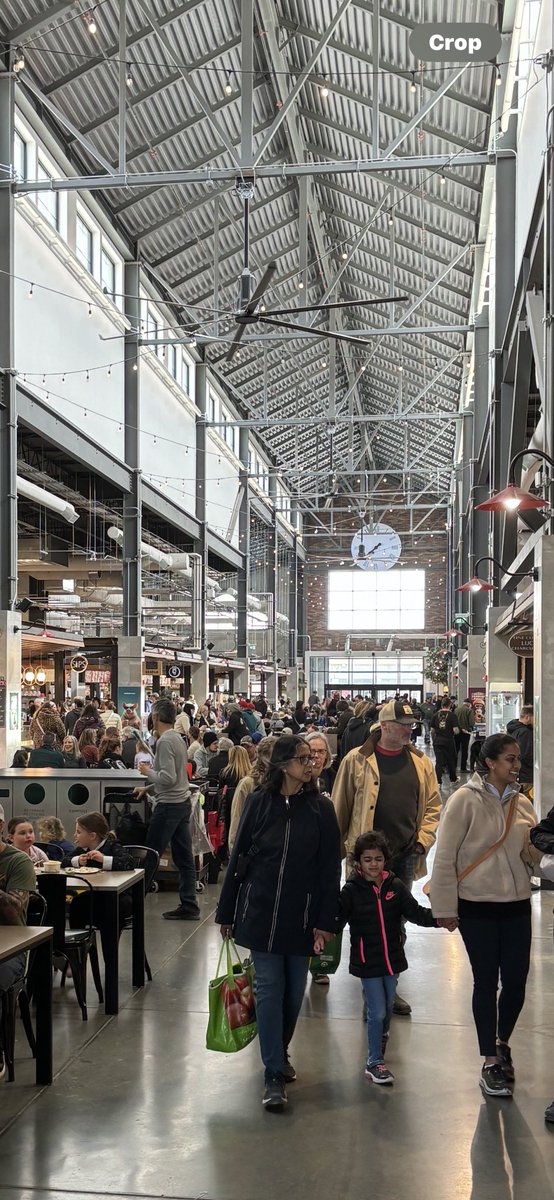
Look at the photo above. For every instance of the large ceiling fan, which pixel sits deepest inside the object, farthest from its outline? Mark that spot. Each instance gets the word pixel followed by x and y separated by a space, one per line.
pixel 252 311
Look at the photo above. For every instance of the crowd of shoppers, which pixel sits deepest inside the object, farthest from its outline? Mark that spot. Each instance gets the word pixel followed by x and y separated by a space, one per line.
pixel 291 808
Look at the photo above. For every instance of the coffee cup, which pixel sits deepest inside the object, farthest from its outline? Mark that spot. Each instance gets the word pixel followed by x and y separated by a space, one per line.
pixel 52 866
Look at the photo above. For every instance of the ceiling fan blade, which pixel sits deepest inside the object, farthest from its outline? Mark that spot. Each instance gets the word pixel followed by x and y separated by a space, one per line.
pixel 262 286
pixel 289 312
pixel 337 337
pixel 235 343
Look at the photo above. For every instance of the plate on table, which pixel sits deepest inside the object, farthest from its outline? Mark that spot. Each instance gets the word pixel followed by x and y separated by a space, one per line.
pixel 82 870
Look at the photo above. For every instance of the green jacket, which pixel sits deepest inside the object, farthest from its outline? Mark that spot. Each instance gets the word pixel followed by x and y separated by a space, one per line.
pixel 465 718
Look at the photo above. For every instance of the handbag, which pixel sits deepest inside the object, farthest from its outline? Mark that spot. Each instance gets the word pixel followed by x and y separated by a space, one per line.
pixel 231 1004
pixel 491 850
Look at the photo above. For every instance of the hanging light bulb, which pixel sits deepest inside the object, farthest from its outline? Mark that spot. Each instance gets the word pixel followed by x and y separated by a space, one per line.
pixel 29 675
pixel 300 285
pixel 498 79
pixel 91 23
pixel 19 60
pixel 129 76
pixel 31 291
pixel 229 85
pixel 40 675
pixel 324 90
pixel 413 85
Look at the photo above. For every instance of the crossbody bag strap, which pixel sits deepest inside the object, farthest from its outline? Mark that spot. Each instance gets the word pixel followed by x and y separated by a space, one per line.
pixel 491 850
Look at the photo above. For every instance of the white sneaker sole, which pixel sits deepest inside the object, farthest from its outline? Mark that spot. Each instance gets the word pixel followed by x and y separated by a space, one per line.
pixel 380 1082
pixel 501 1094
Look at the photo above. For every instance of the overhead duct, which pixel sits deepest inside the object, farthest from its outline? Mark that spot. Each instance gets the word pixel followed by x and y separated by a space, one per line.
pixel 47 499
pixel 169 562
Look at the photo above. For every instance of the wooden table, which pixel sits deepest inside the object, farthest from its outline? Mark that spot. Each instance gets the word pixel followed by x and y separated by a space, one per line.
pixel 108 886
pixel 17 939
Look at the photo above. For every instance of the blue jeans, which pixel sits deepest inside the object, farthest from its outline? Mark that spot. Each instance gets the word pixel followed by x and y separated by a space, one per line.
pixel 170 823
pixel 280 987
pixel 379 997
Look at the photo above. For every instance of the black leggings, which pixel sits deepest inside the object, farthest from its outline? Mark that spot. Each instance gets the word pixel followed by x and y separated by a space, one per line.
pixel 498 944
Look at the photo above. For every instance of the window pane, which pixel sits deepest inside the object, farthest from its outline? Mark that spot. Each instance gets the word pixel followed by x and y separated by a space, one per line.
pixel 362 601
pixel 20 156
pixel 48 202
pixel 108 275
pixel 84 244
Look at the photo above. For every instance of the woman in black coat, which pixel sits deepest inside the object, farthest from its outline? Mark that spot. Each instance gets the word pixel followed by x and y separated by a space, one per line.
pixel 282 882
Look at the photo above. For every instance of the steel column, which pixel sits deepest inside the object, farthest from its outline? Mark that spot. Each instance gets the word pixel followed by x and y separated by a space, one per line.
pixel 201 400
pixel 8 413
pixel 132 503
pixel 243 574
pixel 247 84
pixel 122 131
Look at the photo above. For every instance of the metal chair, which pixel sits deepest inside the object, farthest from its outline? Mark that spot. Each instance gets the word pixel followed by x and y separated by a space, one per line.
pixel 54 852
pixel 20 993
pixel 76 946
pixel 148 859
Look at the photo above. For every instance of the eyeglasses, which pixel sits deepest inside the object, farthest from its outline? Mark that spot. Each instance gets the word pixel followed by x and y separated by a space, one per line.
pixel 303 758
pixel 318 753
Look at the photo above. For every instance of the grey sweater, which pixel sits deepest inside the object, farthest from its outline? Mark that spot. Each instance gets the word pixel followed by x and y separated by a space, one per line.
pixel 168 777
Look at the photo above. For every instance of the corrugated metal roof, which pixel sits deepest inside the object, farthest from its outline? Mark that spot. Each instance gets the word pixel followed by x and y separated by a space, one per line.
pixel 167 129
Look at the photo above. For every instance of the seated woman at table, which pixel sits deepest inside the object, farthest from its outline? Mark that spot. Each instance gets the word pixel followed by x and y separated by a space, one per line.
pixel 97 846
pixel 74 760
pixel 109 752
pixel 22 835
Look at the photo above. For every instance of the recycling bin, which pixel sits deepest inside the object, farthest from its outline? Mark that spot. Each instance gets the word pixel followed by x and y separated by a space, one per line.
pixel 77 793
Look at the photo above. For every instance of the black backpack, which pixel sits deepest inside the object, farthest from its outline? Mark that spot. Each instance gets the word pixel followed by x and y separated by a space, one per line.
pixel 442 717
pixel 129 826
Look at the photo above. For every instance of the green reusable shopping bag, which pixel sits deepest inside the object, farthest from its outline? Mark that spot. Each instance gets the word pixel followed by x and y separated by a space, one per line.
pixel 328 961
pixel 232 1019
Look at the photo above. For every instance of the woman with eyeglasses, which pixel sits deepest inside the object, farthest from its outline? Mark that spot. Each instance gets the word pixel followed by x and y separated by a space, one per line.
pixel 280 890
pixel 323 774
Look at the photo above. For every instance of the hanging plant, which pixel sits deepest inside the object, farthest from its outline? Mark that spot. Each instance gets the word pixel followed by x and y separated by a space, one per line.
pixel 436 666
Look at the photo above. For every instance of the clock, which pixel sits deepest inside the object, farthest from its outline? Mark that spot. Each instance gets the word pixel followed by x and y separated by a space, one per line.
pixel 376 549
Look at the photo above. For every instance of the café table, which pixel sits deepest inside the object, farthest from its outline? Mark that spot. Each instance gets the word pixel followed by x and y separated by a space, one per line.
pixel 108 886
pixel 18 939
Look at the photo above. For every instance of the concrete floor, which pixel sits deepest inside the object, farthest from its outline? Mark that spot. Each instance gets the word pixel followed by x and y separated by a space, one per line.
pixel 139 1108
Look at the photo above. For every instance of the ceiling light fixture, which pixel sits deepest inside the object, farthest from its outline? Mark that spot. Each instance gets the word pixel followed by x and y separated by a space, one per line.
pixel 498 79
pixel 19 60
pixel 229 85
pixel 129 76
pixel 324 90
pixel 413 86
pixel 91 23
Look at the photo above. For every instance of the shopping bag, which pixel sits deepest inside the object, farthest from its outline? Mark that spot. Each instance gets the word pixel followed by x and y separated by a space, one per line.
pixel 216 831
pixel 328 961
pixel 200 841
pixel 232 1012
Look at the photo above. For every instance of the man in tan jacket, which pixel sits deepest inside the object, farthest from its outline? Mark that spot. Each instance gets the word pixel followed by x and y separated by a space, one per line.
pixel 389 785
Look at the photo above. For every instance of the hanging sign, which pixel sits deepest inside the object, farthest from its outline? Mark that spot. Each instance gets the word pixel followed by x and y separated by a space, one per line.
pixel 522 642
pixel 79 663
pixel 174 671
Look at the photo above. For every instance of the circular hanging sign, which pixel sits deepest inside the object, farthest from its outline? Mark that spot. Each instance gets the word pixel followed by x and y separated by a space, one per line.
pixel 79 663
pixel 522 642
pixel 174 671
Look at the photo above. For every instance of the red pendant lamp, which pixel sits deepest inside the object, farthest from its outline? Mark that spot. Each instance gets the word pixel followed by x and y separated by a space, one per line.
pixel 511 499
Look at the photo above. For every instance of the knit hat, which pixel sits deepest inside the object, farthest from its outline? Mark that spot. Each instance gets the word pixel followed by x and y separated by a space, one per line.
pixel 395 710
pixel 257 737
pixel 209 738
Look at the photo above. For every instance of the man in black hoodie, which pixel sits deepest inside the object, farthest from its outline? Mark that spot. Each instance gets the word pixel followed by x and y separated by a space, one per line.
pixel 522 730
pixel 357 730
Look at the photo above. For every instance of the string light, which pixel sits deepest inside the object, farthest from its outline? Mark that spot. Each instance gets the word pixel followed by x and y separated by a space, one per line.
pixel 229 85
pixel 129 76
pixel 498 79
pixel 31 291
pixel 300 285
pixel 413 86
pixel 90 310
pixel 91 23
pixel 324 90
pixel 19 60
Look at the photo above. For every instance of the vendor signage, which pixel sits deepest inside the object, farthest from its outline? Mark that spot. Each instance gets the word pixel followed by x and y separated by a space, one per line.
pixel 522 642
pixel 79 663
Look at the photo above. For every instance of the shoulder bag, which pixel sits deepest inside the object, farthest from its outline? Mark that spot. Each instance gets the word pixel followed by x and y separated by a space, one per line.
pixel 491 850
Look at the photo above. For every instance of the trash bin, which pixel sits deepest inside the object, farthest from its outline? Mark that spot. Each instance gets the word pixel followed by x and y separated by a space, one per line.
pixel 34 798
pixel 76 794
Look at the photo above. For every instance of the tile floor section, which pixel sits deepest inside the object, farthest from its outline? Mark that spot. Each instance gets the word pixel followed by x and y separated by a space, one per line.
pixel 139 1108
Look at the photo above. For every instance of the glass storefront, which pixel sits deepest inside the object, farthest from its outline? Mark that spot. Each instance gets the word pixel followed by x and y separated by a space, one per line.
pixel 379 675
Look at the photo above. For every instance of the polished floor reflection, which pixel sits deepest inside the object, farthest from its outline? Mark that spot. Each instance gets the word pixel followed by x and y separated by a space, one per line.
pixel 139 1107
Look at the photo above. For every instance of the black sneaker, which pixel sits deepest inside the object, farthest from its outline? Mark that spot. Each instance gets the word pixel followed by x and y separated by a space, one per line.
pixel 549 1114
pixel 182 914
pixel 275 1096
pixel 289 1073
pixel 505 1056
pixel 2 1064
pixel 493 1081
pixel 379 1073
pixel 401 1008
